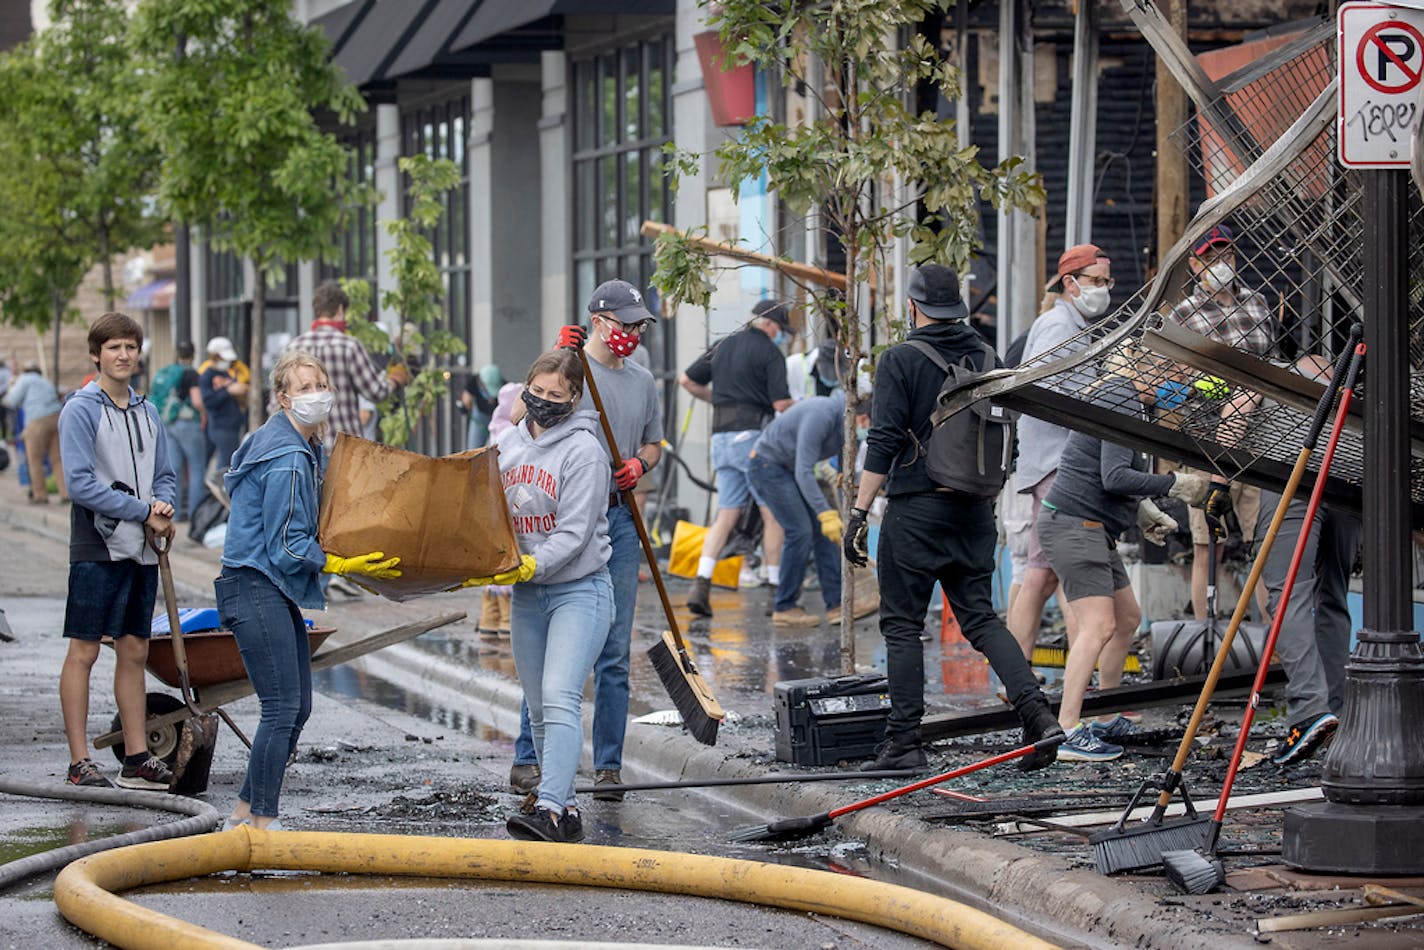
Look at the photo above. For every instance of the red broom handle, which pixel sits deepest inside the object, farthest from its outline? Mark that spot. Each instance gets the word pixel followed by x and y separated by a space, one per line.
pixel 999 759
pixel 1346 394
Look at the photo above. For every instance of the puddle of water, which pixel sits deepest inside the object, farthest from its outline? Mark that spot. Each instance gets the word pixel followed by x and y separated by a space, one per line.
pixel 349 681
pixel 24 842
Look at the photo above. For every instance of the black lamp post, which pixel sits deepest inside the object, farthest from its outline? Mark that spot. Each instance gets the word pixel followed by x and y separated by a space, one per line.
pixel 1372 821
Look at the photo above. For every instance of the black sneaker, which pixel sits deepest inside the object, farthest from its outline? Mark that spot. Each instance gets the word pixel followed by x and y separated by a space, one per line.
pixel 1039 723
pixel 571 826
pixel 540 826
pixel 152 775
pixel 1304 738
pixel 86 773
pixel 607 784
pixel 698 598
pixel 900 752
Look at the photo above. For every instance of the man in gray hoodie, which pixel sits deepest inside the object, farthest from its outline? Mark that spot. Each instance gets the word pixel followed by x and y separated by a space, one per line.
pixel 122 484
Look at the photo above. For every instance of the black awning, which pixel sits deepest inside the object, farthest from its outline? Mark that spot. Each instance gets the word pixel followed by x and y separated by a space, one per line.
pixel 339 24
pixel 496 17
pixel 431 42
pixel 382 33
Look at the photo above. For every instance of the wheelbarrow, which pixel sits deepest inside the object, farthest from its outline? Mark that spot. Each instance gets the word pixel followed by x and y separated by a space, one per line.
pixel 217 677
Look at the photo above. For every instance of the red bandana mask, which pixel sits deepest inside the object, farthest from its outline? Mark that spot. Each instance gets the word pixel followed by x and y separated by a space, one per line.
pixel 621 343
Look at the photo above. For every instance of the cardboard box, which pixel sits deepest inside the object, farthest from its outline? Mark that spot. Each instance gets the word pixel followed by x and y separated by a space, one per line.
pixel 445 518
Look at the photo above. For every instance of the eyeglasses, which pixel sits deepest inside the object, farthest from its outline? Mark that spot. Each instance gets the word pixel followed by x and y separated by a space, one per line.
pixel 1093 281
pixel 634 328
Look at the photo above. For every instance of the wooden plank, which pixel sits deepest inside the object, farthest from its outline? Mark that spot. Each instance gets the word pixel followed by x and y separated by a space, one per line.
pixel 212 697
pixel 1133 696
pixel 1333 918
pixel 1204 806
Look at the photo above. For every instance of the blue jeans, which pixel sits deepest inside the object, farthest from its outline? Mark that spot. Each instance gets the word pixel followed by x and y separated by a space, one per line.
pixel 610 672
pixel 272 638
pixel 224 442
pixel 187 436
pixel 777 487
pixel 557 631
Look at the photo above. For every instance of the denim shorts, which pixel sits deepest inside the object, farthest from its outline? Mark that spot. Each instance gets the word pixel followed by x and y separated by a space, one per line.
pixel 1086 564
pixel 731 454
pixel 110 599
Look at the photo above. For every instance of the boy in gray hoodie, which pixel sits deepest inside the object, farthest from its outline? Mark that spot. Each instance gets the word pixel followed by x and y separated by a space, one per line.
pixel 116 464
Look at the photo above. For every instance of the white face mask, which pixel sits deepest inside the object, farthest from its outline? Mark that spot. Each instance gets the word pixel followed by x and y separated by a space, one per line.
pixel 1092 302
pixel 312 408
pixel 1218 276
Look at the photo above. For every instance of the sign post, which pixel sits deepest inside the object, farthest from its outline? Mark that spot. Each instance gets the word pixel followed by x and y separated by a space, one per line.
pixel 1381 62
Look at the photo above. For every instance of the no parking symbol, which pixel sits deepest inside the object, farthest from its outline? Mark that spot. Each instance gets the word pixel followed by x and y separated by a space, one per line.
pixel 1381 57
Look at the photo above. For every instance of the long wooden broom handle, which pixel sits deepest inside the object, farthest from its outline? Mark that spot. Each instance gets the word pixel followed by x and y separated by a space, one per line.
pixel 1243 603
pixel 631 503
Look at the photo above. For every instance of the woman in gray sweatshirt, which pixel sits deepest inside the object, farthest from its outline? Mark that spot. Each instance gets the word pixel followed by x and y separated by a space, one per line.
pixel 556 481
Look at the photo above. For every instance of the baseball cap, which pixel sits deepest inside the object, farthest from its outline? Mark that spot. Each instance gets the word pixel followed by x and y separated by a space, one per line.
pixel 185 350
pixel 935 290
pixel 1079 256
pixel 222 346
pixel 771 310
pixel 1221 234
pixel 621 299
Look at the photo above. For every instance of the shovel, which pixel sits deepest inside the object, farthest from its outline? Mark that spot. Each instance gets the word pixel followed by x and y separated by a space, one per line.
pixel 199 733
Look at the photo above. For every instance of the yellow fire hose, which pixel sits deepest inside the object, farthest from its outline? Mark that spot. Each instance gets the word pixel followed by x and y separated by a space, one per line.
pixel 85 890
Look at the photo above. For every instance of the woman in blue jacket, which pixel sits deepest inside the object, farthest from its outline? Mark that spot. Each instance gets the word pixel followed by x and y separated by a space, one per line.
pixel 271 562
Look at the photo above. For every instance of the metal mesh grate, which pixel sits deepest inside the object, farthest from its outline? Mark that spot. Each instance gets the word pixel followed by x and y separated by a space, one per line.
pixel 1224 375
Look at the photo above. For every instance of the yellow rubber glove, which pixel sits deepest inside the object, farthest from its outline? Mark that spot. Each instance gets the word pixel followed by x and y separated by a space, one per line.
pixel 1212 387
pixel 831 525
pixel 375 565
pixel 517 575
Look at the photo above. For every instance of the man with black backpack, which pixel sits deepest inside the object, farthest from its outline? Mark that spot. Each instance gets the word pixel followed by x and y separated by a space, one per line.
pixel 177 394
pixel 939 524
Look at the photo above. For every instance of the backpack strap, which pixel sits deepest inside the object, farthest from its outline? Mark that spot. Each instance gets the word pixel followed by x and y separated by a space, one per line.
pixel 932 353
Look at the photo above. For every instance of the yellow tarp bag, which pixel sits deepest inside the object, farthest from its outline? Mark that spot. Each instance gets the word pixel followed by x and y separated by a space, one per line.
pixel 687 549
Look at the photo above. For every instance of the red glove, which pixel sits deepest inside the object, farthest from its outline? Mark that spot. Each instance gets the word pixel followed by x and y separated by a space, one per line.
pixel 571 337
pixel 627 476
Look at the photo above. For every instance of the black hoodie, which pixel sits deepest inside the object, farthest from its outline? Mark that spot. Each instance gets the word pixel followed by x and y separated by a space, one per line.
pixel 906 386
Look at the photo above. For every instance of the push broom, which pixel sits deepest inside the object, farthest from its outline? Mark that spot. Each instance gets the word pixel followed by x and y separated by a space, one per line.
pixel 1122 848
pixel 789 829
pixel 1199 871
pixel 700 711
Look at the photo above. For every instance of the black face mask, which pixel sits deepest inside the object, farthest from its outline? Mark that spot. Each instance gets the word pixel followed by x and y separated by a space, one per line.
pixel 543 412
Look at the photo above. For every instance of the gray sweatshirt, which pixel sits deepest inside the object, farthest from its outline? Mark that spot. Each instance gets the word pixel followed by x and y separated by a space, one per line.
pixel 811 430
pixel 557 487
pixel 1103 481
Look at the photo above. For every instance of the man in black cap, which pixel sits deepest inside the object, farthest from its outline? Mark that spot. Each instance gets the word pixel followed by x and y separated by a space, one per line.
pixel 743 376
pixel 931 533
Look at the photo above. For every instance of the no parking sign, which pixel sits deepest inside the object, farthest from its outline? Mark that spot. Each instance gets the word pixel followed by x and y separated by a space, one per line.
pixel 1381 57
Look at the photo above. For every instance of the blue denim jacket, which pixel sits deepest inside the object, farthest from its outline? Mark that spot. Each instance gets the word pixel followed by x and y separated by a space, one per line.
pixel 274 484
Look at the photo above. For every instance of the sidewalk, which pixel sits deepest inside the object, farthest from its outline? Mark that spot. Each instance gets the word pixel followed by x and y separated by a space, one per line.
pixel 1046 882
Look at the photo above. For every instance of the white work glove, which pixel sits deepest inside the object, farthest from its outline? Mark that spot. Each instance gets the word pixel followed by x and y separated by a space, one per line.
pixel 1156 525
pixel 1190 487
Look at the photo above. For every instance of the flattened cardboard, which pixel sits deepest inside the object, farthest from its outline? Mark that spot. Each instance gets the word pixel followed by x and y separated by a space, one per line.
pixel 445 518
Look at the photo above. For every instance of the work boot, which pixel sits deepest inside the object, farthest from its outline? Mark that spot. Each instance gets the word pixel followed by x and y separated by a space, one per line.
pixel 607 784
pixel 504 601
pixel 896 753
pixel 698 597
pixel 489 612
pixel 795 617
pixel 524 779
pixel 1038 722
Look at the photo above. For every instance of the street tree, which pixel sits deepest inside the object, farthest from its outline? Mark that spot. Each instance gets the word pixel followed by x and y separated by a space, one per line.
pixel 417 301
pixel 79 176
pixel 861 64
pixel 232 91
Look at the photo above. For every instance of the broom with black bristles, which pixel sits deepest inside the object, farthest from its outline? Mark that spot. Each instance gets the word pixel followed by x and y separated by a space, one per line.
pixel 1141 845
pixel 700 711
pixel 1199 871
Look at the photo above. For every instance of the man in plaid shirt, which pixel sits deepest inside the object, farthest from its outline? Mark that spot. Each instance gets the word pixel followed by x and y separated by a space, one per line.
pixel 1225 310
pixel 352 371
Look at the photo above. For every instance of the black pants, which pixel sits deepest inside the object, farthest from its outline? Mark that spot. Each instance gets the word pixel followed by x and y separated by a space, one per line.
pixel 950 538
